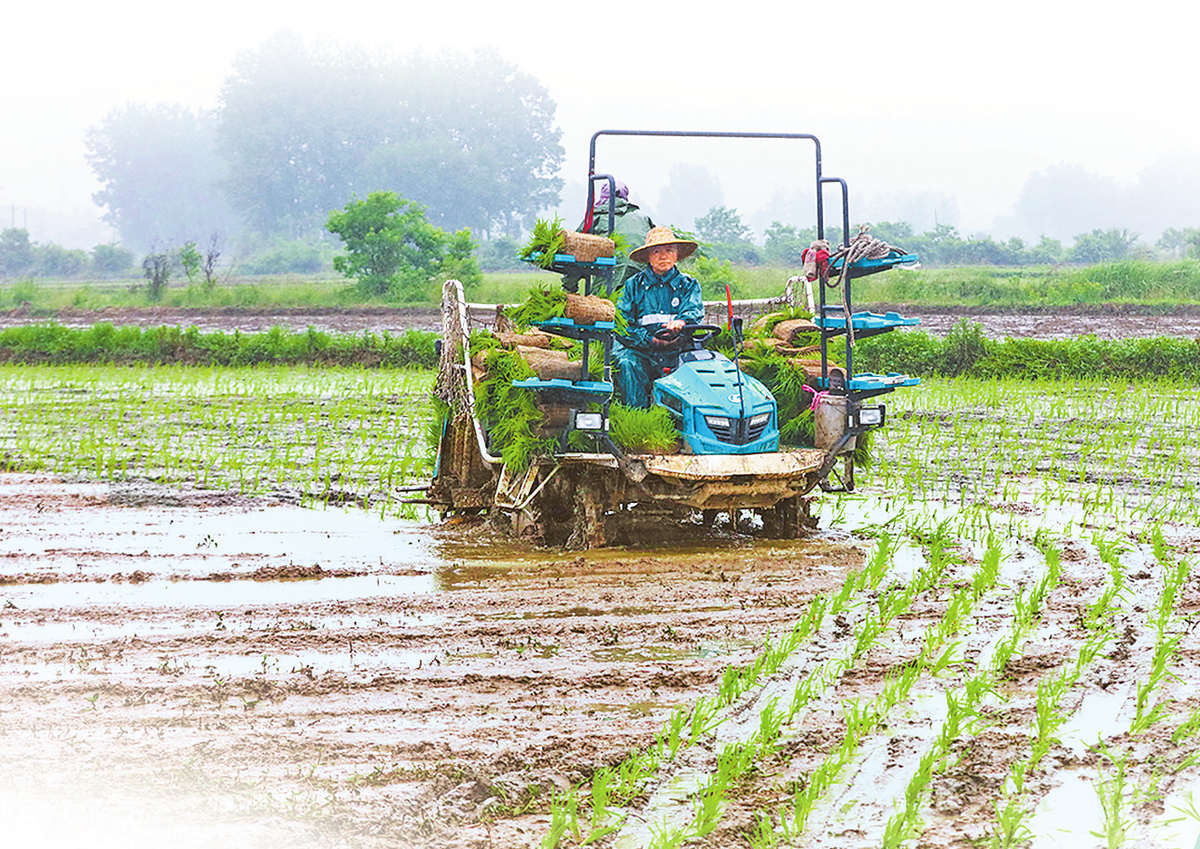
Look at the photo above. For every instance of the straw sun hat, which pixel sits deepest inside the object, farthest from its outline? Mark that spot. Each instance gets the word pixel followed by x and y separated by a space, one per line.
pixel 662 236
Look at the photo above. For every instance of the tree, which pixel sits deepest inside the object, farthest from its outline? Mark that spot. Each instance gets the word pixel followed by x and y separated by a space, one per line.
pixel 1102 245
pixel 52 260
pixel 157 268
pixel 303 129
pixel 16 251
pixel 209 261
pixel 161 174
pixel 111 259
pixel 479 150
pixel 897 233
pixel 784 245
pixel 191 260
pixel 1172 241
pixel 722 225
pixel 1046 251
pixel 722 228
pixel 1191 237
pixel 392 249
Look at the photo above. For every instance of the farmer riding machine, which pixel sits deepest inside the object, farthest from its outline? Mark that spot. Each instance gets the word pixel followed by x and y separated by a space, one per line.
pixel 582 489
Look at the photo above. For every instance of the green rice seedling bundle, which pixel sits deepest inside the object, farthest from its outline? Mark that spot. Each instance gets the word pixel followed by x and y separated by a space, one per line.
pixel 508 413
pixel 545 241
pixel 641 431
pixel 514 422
pixel 543 303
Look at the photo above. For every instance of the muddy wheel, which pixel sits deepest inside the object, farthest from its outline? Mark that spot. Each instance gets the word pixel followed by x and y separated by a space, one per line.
pixel 789 519
pixel 591 507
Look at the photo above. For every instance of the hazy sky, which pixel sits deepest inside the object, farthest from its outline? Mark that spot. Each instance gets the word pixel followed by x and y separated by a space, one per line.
pixel 966 100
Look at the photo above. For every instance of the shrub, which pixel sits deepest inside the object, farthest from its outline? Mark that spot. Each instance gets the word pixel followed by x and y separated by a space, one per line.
pixel 157 268
pixel 290 257
pixel 111 260
pixel 391 249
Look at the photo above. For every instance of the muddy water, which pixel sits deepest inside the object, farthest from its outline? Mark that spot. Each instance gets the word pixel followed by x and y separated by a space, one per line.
pixel 194 666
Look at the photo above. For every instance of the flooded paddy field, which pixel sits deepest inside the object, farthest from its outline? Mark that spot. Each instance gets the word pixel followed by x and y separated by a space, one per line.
pixel 193 666
pixel 992 642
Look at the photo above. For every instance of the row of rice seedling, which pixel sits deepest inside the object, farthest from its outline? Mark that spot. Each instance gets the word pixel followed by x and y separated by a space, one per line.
pixel 877 611
pixel 1109 452
pixel 1119 768
pixel 688 727
pixel 319 435
pixel 1118 787
pixel 1018 451
pixel 1012 810
pixel 933 658
pixel 1012 813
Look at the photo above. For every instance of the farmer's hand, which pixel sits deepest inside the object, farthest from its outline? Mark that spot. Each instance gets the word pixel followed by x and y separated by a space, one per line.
pixel 667 337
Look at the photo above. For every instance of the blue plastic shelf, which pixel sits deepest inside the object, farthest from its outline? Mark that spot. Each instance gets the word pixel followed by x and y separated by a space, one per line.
pixel 873 383
pixel 863 267
pixel 563 262
pixel 569 328
pixel 865 321
pixel 589 389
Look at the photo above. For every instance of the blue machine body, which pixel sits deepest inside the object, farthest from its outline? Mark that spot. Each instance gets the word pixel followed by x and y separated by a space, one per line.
pixel 717 407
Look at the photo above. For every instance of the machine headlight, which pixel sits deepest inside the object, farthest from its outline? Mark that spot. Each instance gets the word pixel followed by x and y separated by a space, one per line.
pixel 870 416
pixel 589 421
pixel 717 421
pixel 760 419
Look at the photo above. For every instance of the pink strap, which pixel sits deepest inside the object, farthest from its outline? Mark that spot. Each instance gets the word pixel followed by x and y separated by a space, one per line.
pixel 818 397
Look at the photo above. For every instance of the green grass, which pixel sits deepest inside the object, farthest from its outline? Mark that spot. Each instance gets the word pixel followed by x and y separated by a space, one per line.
pixel 966 351
pixel 129 344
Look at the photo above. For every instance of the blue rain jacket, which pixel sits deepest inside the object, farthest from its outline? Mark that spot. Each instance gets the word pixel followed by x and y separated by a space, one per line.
pixel 648 302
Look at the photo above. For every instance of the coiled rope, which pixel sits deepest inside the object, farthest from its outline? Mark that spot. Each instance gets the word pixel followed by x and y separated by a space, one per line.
pixel 862 246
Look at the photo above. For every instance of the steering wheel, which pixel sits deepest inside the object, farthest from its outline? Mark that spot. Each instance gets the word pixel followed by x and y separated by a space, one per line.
pixel 691 330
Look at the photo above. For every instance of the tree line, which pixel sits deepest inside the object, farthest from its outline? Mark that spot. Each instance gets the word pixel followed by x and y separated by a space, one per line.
pixel 19 256
pixel 727 238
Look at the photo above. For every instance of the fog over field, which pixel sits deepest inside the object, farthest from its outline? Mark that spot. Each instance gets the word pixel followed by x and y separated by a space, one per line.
pixel 933 111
